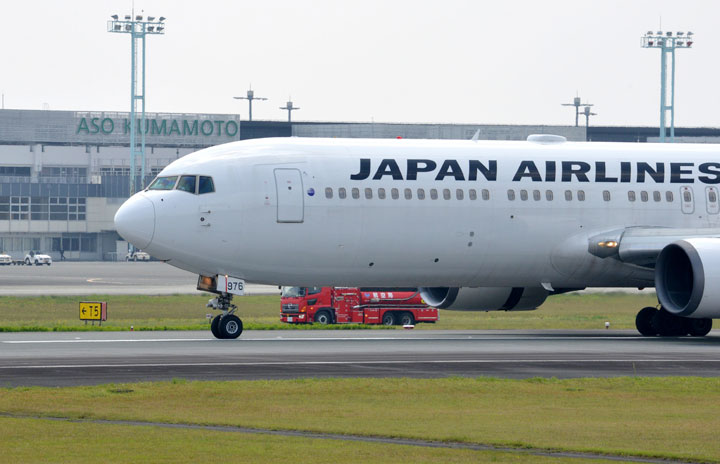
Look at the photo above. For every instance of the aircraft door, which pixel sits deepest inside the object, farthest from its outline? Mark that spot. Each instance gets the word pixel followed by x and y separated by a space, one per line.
pixel 290 201
pixel 686 200
pixel 711 200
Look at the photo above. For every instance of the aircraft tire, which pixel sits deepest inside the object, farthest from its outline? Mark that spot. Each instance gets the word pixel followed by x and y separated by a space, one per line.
pixel 230 326
pixel 407 318
pixel 699 327
pixel 323 317
pixel 669 325
pixel 644 321
pixel 388 318
pixel 214 326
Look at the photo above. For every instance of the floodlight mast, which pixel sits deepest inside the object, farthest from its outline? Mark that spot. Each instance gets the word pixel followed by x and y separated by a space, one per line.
pixel 290 108
pixel 576 103
pixel 250 97
pixel 138 29
pixel 667 43
pixel 587 114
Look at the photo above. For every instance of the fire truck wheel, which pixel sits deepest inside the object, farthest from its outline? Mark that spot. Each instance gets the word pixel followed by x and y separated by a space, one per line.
pixel 323 317
pixel 407 319
pixel 214 326
pixel 388 318
pixel 230 326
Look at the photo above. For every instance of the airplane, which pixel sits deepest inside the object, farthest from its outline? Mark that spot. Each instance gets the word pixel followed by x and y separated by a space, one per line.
pixel 474 225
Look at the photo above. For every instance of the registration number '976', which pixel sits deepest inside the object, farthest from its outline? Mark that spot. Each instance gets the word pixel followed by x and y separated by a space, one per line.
pixel 229 284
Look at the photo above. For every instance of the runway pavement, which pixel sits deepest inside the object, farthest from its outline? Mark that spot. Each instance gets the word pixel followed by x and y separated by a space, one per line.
pixel 59 359
pixel 102 277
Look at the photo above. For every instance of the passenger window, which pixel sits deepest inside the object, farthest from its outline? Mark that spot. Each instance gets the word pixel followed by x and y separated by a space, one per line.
pixel 657 196
pixel 368 193
pixel 408 194
pixel 568 195
pixel 631 195
pixel 581 195
pixel 687 198
pixel 511 195
pixel 712 196
pixel 395 194
pixel 459 194
pixel 328 192
pixel 669 197
pixel 314 290
pixel 446 194
pixel 473 194
pixel 355 193
pixel 163 183
pixel 421 194
pixel 523 195
pixel 643 195
pixel 433 194
pixel 206 185
pixel 606 195
pixel 485 194
pixel 549 195
pixel 187 184
pixel 342 193
pixel 381 193
pixel 536 195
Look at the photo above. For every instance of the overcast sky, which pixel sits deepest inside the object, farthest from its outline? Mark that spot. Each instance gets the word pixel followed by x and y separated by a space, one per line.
pixel 449 61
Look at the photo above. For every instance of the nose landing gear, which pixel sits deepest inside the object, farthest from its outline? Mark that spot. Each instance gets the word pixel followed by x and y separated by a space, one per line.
pixel 651 322
pixel 226 325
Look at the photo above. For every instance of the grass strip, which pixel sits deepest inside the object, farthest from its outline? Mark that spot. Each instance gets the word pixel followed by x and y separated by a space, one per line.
pixel 91 442
pixel 674 418
pixel 262 312
pixel 364 439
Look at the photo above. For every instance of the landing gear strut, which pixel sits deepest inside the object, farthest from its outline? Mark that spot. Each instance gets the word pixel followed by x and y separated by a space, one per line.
pixel 225 325
pixel 651 322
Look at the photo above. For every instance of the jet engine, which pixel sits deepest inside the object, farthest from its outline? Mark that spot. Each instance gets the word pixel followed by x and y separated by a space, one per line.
pixel 484 298
pixel 687 273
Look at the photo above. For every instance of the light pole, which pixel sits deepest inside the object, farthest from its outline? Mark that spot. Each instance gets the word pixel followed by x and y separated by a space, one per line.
pixel 587 114
pixel 576 103
pixel 667 43
pixel 138 28
pixel 250 97
pixel 290 108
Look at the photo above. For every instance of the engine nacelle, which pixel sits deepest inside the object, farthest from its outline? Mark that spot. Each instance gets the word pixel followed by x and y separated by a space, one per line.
pixel 687 273
pixel 484 298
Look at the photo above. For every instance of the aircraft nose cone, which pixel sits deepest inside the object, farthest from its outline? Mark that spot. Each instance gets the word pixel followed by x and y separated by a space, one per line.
pixel 135 221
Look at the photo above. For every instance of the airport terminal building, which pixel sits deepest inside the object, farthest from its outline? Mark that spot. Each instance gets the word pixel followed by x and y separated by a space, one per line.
pixel 64 174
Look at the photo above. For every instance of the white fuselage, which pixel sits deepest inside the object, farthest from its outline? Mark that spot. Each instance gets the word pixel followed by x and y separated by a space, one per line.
pixel 467 213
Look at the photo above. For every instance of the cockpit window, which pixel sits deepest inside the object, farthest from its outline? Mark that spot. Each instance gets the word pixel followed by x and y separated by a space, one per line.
pixel 163 183
pixel 206 185
pixel 187 184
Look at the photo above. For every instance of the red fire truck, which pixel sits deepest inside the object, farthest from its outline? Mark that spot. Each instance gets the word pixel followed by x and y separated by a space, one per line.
pixel 328 305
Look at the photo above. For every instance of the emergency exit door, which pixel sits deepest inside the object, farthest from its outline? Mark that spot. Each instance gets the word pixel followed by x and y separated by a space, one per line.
pixel 687 203
pixel 290 201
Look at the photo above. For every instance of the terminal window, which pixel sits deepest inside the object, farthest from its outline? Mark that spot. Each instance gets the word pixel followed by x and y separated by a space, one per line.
pixel 67 209
pixel 19 207
pixel 4 208
pixel 21 171
pixel 75 242
pixel 63 171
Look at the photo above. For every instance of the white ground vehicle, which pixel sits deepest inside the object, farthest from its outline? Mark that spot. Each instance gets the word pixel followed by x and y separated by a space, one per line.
pixel 37 259
pixel 137 256
pixel 5 260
